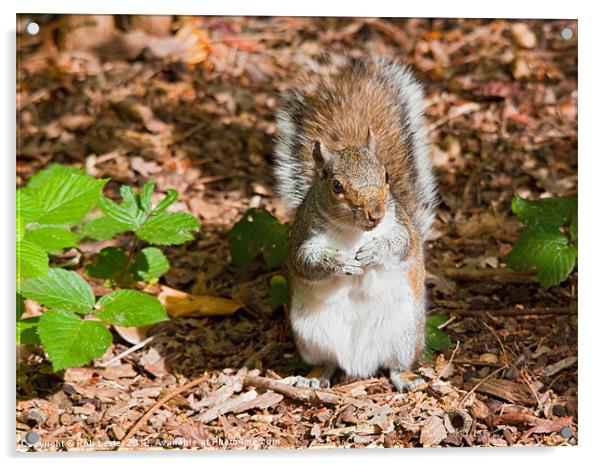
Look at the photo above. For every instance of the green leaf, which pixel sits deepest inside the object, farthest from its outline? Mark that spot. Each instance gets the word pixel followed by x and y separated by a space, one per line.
pixel 32 260
pixel 274 246
pixel 168 228
pixel 56 169
pixel 67 198
pixel 71 341
pixel 129 308
pixel 61 289
pixel 279 293
pixel 20 306
pixel 573 228
pixel 545 248
pixel 258 232
pixel 108 264
pixel 20 227
pixel 149 263
pixel 436 339
pixel 26 331
pixel 554 211
pixel 171 196
pixel 28 206
pixel 145 196
pixel 52 239
pixel 101 228
pixel 126 214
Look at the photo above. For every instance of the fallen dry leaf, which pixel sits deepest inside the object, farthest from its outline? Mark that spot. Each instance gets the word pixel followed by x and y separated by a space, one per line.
pixel 433 432
pixel 181 304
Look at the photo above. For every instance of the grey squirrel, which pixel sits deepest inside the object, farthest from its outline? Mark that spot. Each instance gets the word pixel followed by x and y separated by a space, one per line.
pixel 353 158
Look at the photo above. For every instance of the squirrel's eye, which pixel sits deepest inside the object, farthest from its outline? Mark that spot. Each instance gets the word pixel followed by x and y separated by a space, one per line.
pixel 387 177
pixel 337 187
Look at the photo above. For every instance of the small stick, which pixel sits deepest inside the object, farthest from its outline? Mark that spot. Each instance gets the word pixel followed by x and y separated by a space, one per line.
pixel 136 347
pixel 307 395
pixel 448 362
pixel 259 355
pixel 476 362
pixel 496 275
pixel 481 382
pixel 533 311
pixel 446 323
pixel 160 403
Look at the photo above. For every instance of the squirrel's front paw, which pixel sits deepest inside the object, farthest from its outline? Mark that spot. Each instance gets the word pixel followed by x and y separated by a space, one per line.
pixel 348 266
pixel 373 252
pixel 344 265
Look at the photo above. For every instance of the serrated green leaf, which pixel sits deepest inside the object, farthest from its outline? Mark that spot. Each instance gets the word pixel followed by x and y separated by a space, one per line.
pixel 171 196
pixel 274 246
pixel 26 331
pixel 436 339
pixel 145 196
pixel 553 211
pixel 60 289
pixel 28 206
pixel 67 198
pixel 71 341
pixel 32 260
pixel 101 228
pixel 52 239
pixel 257 232
pixel 278 292
pixel 108 264
pixel 126 214
pixel 56 169
pixel 168 228
pixel 149 263
pixel 545 248
pixel 129 308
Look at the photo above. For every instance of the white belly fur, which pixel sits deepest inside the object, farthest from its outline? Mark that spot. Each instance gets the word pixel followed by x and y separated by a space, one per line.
pixel 360 323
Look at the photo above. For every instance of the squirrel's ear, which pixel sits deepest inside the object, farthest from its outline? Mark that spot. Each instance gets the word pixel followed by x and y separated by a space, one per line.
pixel 371 141
pixel 320 154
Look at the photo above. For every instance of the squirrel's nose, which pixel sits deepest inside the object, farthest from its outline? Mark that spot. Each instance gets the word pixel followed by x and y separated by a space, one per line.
pixel 375 215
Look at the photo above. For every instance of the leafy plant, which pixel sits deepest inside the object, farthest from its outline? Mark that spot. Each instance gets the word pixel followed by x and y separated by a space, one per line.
pixel 258 233
pixel 435 338
pixel 51 213
pixel 548 242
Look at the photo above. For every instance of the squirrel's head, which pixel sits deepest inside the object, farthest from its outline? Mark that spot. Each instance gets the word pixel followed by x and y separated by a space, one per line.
pixel 354 184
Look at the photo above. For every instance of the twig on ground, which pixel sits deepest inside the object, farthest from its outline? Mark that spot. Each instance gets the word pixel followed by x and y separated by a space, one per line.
pixel 496 275
pixel 160 403
pixel 534 311
pixel 307 395
pixel 134 348
pixel 259 355
pixel 446 323
pixel 481 382
pixel 448 362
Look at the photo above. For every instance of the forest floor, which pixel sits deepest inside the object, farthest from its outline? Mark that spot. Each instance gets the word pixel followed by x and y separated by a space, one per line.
pixel 134 103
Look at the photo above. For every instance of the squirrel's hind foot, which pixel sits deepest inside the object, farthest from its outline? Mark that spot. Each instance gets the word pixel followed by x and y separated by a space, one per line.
pixel 406 381
pixel 318 377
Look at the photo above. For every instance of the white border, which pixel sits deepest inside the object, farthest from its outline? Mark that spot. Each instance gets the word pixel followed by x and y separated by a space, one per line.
pixel 590 106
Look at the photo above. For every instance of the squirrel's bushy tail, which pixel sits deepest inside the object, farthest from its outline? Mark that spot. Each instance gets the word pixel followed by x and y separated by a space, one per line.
pixel 294 167
pixel 411 100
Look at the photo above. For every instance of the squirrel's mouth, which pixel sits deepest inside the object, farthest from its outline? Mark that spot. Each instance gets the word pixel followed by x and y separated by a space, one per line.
pixel 370 226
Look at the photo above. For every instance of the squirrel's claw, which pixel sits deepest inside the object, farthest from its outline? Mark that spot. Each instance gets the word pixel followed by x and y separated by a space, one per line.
pixel 371 252
pixel 350 267
pixel 305 382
